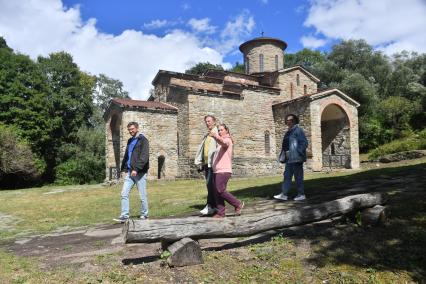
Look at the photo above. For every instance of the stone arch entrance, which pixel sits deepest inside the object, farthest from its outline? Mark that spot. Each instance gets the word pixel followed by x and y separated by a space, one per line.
pixel 335 137
pixel 161 167
pixel 115 137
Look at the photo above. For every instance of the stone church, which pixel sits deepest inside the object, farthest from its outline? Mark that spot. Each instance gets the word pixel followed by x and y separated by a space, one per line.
pixel 253 105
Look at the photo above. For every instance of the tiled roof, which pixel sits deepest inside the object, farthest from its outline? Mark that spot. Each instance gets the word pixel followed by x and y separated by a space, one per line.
pixel 301 68
pixel 143 104
pixel 282 44
pixel 320 94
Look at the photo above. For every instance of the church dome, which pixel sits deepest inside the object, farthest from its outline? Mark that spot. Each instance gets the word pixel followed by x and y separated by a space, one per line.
pixel 263 54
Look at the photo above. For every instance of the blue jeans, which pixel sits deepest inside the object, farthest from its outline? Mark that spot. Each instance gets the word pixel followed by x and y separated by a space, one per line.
pixel 295 169
pixel 129 182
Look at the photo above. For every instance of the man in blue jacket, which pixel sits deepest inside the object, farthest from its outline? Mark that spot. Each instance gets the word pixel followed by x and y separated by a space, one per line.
pixel 293 154
pixel 135 164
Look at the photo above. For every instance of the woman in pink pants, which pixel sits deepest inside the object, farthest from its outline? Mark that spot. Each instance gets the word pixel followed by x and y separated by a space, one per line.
pixel 222 171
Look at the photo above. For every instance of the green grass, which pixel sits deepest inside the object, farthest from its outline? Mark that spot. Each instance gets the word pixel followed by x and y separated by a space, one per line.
pixel 394 253
pixel 47 209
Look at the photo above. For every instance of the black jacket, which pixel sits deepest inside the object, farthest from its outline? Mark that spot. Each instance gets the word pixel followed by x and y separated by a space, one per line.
pixel 139 161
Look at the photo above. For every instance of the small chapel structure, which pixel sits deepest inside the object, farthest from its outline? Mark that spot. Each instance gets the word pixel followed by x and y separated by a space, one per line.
pixel 253 105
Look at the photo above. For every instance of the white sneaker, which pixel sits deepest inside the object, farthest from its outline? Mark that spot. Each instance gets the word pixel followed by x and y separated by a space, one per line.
pixel 207 210
pixel 299 198
pixel 281 197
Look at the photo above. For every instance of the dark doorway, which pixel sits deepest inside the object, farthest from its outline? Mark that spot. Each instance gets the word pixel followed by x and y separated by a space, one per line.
pixel 161 167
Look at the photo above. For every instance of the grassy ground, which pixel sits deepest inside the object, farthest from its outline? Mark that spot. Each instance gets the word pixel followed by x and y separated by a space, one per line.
pixel 42 210
pixel 346 253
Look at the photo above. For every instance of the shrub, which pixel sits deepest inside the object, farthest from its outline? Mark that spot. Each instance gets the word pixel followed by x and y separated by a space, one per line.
pixel 19 167
pixel 414 142
pixel 84 161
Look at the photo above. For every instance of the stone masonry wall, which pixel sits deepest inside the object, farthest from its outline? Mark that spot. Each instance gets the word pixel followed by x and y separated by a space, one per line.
pixel 159 128
pixel 248 119
pixel 285 80
pixel 269 51
pixel 302 110
pixel 284 83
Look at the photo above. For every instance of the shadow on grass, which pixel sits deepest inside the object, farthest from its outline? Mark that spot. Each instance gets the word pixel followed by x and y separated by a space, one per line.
pixel 398 245
pixel 329 188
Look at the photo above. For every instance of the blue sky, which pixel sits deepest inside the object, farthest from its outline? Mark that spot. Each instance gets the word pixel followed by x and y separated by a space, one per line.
pixel 282 19
pixel 131 40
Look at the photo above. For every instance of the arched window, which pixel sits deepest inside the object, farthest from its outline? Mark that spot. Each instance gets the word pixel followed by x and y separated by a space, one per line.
pixel 297 80
pixel 260 62
pixel 178 144
pixel 276 62
pixel 161 167
pixel 305 90
pixel 267 142
pixel 247 65
pixel 291 90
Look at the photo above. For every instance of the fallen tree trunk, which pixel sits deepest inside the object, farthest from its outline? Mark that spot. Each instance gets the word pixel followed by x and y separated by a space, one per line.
pixel 151 230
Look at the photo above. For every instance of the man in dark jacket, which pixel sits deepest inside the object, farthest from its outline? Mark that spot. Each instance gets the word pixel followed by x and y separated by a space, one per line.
pixel 135 164
pixel 293 154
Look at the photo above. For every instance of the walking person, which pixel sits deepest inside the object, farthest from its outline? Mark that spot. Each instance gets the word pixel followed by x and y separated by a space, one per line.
pixel 222 171
pixel 203 159
pixel 293 154
pixel 135 164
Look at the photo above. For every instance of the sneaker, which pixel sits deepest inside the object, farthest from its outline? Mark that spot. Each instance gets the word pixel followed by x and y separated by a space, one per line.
pixel 142 217
pixel 208 210
pixel 300 198
pixel 121 219
pixel 239 208
pixel 281 197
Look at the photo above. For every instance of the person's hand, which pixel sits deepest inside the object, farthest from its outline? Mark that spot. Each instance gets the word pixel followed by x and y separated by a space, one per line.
pixel 134 173
pixel 212 133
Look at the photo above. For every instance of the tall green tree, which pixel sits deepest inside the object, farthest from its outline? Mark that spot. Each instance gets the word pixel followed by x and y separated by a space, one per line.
pixel 202 67
pixel 238 68
pixel 106 89
pixel 70 93
pixel 23 100
pixel 305 57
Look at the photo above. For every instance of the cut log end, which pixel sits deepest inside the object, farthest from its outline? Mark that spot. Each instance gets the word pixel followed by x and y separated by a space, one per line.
pixel 184 252
pixel 374 216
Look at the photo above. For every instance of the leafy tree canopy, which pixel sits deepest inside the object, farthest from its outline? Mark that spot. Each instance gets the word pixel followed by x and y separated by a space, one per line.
pixel 202 67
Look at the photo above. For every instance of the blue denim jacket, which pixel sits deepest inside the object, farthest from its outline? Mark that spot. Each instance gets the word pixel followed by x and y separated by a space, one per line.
pixel 294 149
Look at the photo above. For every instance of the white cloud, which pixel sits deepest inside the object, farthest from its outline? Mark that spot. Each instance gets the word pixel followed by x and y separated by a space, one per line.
pixel 202 25
pixel 312 42
pixel 389 25
pixel 236 31
pixel 39 27
pixel 156 24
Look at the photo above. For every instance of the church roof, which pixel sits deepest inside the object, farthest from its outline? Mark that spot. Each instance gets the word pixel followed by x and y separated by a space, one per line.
pixel 282 44
pixel 216 82
pixel 129 103
pixel 300 67
pixel 319 95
